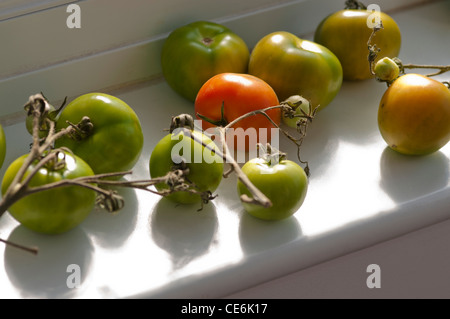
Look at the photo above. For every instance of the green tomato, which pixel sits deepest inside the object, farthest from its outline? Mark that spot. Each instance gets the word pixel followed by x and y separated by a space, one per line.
pixel 205 167
pixel 116 140
pixel 302 105
pixel 55 210
pixel 346 33
pixel 386 70
pixel 292 66
pixel 284 183
pixel 194 53
pixel 52 115
pixel 2 146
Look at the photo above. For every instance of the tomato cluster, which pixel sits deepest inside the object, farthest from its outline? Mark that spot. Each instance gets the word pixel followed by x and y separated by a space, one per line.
pixel 413 115
pixel 112 145
pixel 212 66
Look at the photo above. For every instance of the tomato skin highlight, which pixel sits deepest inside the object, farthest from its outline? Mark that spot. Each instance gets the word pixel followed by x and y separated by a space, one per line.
pixel 293 66
pixel 346 33
pixel 239 94
pixel 414 115
pixel 56 210
pixel 285 184
pixel 205 168
pixel 195 52
pixel 116 141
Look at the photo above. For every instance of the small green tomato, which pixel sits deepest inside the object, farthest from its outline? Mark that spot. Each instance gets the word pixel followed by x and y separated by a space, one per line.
pixel 301 104
pixel 386 70
pixel 284 183
pixel 205 167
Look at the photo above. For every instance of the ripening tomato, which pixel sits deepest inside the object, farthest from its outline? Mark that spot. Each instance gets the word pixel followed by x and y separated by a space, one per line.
pixel 116 140
pixel 238 94
pixel 195 52
pixel 293 66
pixel 346 33
pixel 414 115
pixel 285 184
pixel 55 210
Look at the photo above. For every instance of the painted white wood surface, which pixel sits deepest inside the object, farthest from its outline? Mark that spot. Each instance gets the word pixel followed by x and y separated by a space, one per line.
pixel 360 193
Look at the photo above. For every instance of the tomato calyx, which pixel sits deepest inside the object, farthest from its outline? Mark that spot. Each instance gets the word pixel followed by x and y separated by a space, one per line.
pixel 39 106
pixel 177 180
pixel 222 122
pixel 81 130
pixel 182 120
pixel 271 155
pixel 54 162
pixel 207 41
pixel 354 5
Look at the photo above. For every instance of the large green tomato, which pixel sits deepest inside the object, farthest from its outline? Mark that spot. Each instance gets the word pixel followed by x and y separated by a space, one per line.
pixel 205 167
pixel 2 146
pixel 116 140
pixel 292 66
pixel 346 33
pixel 56 210
pixel 195 52
pixel 284 183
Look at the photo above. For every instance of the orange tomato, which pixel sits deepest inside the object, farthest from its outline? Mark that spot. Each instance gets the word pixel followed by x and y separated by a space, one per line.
pixel 414 115
pixel 239 94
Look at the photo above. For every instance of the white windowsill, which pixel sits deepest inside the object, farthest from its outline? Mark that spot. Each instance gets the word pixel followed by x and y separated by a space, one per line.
pixel 154 249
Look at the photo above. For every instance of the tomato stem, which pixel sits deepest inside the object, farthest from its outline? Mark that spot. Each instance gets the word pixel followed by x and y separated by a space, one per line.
pixel 271 155
pixel 40 151
pixel 222 122
pixel 288 108
pixel 373 49
pixel 33 250
pixel 373 54
pixel 441 68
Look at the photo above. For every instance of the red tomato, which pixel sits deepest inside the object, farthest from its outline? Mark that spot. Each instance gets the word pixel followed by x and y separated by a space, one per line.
pixel 239 94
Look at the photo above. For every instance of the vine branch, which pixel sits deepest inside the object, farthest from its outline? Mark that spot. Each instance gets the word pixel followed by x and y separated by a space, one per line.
pixel 288 108
pixel 42 154
pixel 374 50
